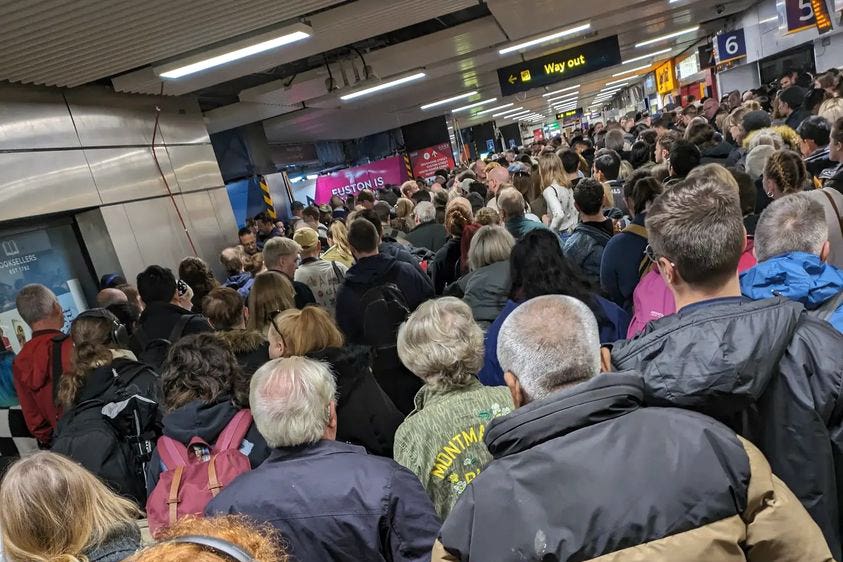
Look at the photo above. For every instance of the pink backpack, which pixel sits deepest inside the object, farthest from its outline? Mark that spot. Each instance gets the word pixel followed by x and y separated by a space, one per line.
pixel 195 474
pixel 652 299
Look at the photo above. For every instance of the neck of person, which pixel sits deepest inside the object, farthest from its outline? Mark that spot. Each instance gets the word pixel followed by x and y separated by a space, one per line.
pixel 686 295
pixel 50 324
pixel 572 176
pixel 597 217
pixel 313 254
pixel 360 255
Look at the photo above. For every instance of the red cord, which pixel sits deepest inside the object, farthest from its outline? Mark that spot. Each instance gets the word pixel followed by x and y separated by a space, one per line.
pixel 166 183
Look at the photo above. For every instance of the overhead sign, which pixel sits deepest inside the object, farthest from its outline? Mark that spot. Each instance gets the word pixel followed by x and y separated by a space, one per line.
pixel 373 176
pixel 730 46
pixel 569 114
pixel 799 15
pixel 666 78
pixel 427 160
pixel 706 56
pixel 559 66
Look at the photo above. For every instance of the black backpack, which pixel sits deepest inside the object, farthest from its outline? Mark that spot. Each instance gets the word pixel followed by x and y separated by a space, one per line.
pixel 113 440
pixel 154 351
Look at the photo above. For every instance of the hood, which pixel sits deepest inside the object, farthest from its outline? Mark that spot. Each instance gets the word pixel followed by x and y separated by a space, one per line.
pixel 119 545
pixel 368 270
pixel 238 281
pixel 199 419
pixel 99 384
pixel 721 150
pixel 797 276
pixel 602 398
pixel 348 363
pixel 716 359
pixel 242 341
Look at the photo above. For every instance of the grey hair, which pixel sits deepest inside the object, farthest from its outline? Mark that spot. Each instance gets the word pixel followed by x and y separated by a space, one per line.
pixel 35 302
pixel 489 245
pixel 425 212
pixel 278 247
pixel 794 223
pixel 549 342
pixel 441 344
pixel 290 400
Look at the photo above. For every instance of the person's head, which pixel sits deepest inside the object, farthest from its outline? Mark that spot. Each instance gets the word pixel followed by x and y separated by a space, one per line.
pixel 424 212
pixel 784 174
pixel 607 166
pixel 551 170
pixel 644 192
pixel 588 197
pixel 754 121
pixel 422 196
pixel 684 157
pixel 232 261
pixel 299 332
pixel 297 208
pixel 814 133
pixel 688 114
pixel 570 161
pixel 248 240
pixel 310 216
pixel 404 208
pixel 495 177
pixel 614 140
pixel 832 109
pixel 490 244
pixel 538 267
pixel 156 284
pixel 127 314
pixel 458 215
pixel 791 99
pixel 715 172
pixel 338 236
pixel 441 344
pixel 487 217
pixel 696 235
pixel 639 154
pixel 201 367
pixel 196 273
pixel 132 295
pixel 538 361
pixel 710 107
pixel 55 510
pixel 264 223
pixel 794 223
pixel 281 254
pixel 510 204
pixel 107 297
pixel 271 293
pixel 308 239
pixel 408 188
pixel 366 199
pixel 835 144
pixel 363 238
pixel 225 309
pixel 111 280
pixel 700 133
pixel 664 143
pixel 746 191
pixel 787 79
pixel 293 402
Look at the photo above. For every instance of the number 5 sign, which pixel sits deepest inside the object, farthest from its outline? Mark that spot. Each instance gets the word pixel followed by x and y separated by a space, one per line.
pixel 730 46
pixel 800 15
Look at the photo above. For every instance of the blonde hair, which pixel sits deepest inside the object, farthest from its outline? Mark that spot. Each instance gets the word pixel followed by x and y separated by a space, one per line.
pixel 552 171
pixel 441 343
pixel 832 109
pixel 487 216
pixel 260 540
pixel 307 330
pixel 271 292
pixel 54 510
pixel 339 234
pixel 786 169
pixel 716 172
pixel 404 208
pixel 490 244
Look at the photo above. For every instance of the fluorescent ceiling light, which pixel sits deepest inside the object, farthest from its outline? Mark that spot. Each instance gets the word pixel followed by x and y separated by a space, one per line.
pixel 565 108
pixel 571 95
pixel 769 20
pixel 636 69
pixel 621 82
pixel 668 36
pixel 312 176
pixel 235 51
pixel 475 104
pixel 383 86
pixel 544 39
pixel 653 54
pixel 560 91
pixel 504 106
pixel 448 100
pixel 519 114
pixel 615 88
pixel 507 112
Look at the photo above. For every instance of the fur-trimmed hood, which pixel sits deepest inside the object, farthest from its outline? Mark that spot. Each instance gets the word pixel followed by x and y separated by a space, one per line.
pixel 242 341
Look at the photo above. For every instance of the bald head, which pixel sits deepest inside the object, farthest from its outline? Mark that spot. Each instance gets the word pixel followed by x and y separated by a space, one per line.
pixel 540 361
pixel 511 203
pixel 108 297
pixel 496 177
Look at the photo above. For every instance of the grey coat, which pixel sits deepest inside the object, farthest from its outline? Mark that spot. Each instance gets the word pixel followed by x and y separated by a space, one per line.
pixel 486 291
pixel 119 545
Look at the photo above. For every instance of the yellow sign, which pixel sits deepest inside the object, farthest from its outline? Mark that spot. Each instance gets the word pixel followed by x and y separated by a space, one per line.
pixel 525 76
pixel 666 78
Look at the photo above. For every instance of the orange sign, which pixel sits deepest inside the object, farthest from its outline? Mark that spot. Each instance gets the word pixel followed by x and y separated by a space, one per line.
pixel 666 78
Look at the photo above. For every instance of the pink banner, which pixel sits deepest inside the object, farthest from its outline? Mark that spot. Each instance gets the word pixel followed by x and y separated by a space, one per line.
pixel 372 176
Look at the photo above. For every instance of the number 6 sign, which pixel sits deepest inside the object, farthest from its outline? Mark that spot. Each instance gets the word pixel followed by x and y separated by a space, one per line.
pixel 730 46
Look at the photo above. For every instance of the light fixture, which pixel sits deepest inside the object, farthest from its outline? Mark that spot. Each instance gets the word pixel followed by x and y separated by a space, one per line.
pixel 507 112
pixel 383 86
pixel 560 91
pixel 475 104
pixel 515 115
pixel 565 107
pixel 562 97
pixel 235 51
pixel 668 36
pixel 504 106
pixel 636 69
pixel 653 54
pixel 769 20
pixel 312 176
pixel 621 82
pixel 448 100
pixel 544 39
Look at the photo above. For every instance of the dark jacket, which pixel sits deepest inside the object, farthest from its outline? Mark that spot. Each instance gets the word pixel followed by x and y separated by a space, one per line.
pixel 486 291
pixel 521 226
pixel 205 420
pixel 263 238
pixel 241 282
pixel 766 370
pixel 619 268
pixel 158 320
pixel 818 162
pixel 430 235
pixel 365 414
pixel 119 545
pixel 586 244
pixel 445 267
pixel 654 484
pixel 618 200
pixel 836 179
pixel 332 501
pixel 796 117
pixel 716 153
pixel 250 348
pixel 371 272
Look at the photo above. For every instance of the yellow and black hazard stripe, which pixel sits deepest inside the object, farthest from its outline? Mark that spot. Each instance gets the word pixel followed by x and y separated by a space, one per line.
pixel 408 165
pixel 267 199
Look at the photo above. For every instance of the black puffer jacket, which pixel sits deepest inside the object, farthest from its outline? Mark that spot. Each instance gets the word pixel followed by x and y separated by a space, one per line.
pixel 365 414
pixel 766 370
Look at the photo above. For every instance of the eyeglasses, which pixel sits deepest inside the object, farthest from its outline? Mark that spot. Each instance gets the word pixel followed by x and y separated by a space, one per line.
pixel 651 255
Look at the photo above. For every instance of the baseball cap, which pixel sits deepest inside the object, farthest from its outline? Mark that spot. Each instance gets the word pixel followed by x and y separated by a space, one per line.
pixel 306 238
pixel 324 208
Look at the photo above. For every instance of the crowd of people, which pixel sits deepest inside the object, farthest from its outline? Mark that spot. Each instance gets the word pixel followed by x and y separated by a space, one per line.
pixel 620 344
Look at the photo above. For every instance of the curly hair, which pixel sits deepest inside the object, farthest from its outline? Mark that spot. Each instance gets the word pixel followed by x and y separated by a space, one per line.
pixel 92 347
pixel 787 170
pixel 457 215
pixel 202 367
pixel 196 273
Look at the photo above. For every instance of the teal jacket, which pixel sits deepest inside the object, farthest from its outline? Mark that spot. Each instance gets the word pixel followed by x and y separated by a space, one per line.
pixel 519 227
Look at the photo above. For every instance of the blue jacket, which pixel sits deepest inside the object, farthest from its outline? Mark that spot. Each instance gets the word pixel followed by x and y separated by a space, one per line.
pixel 797 276
pixel 242 283
pixel 613 326
pixel 332 501
pixel 619 267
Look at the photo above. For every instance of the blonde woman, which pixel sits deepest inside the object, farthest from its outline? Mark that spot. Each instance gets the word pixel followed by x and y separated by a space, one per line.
pixel 339 249
pixel 443 346
pixel 557 194
pixel 56 511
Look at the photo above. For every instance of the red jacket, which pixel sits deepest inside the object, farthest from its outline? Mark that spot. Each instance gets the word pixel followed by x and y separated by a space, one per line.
pixel 32 373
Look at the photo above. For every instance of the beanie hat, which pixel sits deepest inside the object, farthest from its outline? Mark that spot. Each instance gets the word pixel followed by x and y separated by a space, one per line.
pixel 755 120
pixel 757 159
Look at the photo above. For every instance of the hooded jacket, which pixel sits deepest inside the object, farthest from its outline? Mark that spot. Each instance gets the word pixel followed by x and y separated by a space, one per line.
pixel 486 291
pixel 797 276
pixel 250 348
pixel 587 474
pixel 445 267
pixel 365 414
pixel 205 420
pixel 430 235
pixel 241 282
pixel 715 153
pixel 767 370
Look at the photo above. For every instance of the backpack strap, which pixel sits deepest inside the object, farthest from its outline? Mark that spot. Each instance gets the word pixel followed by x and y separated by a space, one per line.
pixel 173 495
pixel 57 365
pixel 836 210
pixel 172 453
pixel 637 230
pixel 234 432
pixel 178 329
pixel 337 272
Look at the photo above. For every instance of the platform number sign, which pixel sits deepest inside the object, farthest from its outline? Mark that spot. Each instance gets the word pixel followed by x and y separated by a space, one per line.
pixel 730 46
pixel 800 15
